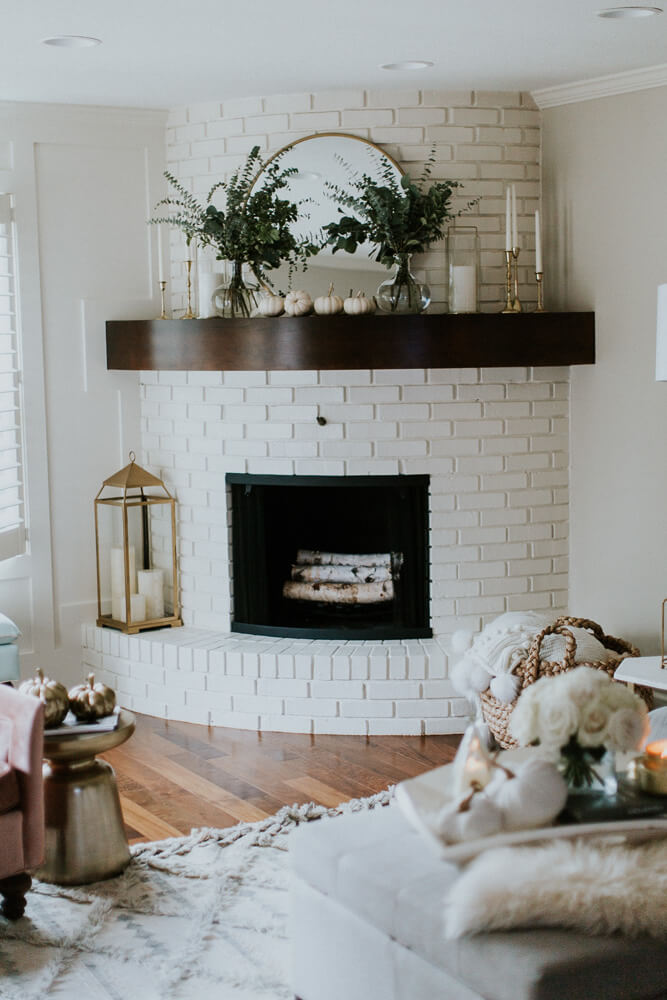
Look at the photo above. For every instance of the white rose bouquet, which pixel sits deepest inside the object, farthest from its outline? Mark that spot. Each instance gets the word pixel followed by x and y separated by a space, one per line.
pixel 576 717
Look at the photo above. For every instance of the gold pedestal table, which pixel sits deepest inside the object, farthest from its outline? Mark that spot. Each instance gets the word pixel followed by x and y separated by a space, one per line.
pixel 85 840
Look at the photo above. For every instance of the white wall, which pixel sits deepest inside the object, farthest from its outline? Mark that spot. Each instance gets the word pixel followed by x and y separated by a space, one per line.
pixel 605 191
pixel 84 181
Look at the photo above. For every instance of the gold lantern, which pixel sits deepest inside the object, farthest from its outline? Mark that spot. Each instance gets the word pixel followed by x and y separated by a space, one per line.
pixel 135 541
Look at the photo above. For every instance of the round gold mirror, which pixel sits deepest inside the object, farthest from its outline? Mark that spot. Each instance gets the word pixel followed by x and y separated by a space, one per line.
pixel 319 160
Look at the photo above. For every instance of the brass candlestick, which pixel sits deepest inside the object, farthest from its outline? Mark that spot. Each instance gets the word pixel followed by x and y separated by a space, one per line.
pixel 188 312
pixel 516 304
pixel 163 310
pixel 508 282
pixel 539 275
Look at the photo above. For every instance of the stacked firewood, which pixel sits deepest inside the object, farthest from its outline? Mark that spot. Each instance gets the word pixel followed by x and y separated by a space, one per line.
pixel 342 577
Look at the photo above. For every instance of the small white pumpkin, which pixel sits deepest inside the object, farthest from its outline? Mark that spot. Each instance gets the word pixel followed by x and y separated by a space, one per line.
pixel 358 305
pixel 271 305
pixel 298 303
pixel 329 304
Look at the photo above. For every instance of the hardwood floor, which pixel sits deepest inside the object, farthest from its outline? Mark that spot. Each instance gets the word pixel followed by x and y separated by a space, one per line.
pixel 173 776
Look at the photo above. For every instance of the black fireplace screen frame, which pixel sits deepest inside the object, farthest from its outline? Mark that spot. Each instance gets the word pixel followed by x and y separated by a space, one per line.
pixel 274 515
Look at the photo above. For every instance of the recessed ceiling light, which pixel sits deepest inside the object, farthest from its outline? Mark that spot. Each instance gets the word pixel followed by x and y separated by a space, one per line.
pixel 408 64
pixel 621 13
pixel 72 41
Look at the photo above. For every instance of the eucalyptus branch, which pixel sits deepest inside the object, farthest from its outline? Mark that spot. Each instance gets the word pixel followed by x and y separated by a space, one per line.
pixel 397 217
pixel 254 227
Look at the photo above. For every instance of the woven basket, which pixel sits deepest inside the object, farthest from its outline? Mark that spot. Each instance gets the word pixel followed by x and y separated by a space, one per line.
pixel 497 714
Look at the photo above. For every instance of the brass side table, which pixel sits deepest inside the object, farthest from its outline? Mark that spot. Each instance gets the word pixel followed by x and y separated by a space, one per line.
pixel 85 840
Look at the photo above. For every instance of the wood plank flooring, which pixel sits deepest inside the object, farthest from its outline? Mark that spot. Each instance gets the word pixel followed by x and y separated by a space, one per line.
pixel 173 776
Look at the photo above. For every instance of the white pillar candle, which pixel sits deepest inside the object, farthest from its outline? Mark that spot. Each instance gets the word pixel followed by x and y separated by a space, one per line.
pixel 464 289
pixel 137 608
pixel 538 243
pixel 118 572
pixel 151 586
pixel 515 232
pixel 508 220
pixel 160 262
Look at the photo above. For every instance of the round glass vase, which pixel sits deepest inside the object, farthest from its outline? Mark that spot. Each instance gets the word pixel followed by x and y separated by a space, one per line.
pixel 402 293
pixel 463 267
pixel 588 770
pixel 235 299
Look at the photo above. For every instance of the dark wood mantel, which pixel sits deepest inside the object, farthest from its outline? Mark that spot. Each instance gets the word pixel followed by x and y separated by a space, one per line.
pixel 347 343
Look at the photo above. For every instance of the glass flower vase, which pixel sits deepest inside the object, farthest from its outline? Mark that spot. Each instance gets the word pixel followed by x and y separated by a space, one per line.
pixel 236 299
pixel 402 293
pixel 588 769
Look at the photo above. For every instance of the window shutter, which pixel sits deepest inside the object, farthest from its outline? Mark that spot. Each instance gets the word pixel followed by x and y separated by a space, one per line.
pixel 12 506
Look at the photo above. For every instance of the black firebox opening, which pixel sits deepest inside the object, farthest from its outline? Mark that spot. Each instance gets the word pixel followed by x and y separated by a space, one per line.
pixel 282 522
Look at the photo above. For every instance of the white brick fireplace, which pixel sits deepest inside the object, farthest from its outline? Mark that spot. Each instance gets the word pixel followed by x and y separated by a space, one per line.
pixel 494 443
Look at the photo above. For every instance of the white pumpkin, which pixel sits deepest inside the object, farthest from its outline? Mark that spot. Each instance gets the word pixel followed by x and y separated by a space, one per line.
pixel 358 305
pixel 329 304
pixel 298 303
pixel 271 305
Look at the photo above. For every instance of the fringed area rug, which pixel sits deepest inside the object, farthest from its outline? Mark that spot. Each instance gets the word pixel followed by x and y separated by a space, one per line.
pixel 191 918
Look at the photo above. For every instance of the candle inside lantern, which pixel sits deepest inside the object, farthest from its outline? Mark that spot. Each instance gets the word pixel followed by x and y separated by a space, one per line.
pixel 151 586
pixel 137 608
pixel 118 571
pixel 463 298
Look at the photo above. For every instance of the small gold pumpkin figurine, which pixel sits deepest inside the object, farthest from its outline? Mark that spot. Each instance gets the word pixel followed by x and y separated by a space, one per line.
pixel 91 701
pixel 51 693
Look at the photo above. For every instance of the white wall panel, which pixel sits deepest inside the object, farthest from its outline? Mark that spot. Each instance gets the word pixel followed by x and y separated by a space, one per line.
pixel 85 182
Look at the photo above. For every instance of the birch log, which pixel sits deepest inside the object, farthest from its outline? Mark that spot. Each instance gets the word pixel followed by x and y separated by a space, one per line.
pixel 310 557
pixel 340 593
pixel 341 574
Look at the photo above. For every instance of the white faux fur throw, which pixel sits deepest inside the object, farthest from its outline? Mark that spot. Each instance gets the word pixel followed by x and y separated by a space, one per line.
pixel 576 884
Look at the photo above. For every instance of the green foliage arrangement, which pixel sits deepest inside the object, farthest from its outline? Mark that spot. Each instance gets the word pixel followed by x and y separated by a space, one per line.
pixel 254 226
pixel 397 217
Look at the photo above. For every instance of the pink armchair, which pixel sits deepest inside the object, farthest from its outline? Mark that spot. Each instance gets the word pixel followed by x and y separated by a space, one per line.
pixel 21 797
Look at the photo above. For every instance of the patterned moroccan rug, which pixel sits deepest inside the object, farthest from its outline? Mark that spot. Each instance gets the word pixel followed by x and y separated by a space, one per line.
pixel 191 918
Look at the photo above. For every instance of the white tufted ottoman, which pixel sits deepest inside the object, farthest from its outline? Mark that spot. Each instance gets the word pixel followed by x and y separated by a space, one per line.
pixel 367 895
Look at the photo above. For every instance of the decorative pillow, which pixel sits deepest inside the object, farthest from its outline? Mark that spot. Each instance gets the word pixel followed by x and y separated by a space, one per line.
pixel 588 887
pixel 8 630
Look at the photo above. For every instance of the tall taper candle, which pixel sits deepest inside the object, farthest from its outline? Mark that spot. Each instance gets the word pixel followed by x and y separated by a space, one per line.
pixel 508 220
pixel 515 234
pixel 538 243
pixel 160 264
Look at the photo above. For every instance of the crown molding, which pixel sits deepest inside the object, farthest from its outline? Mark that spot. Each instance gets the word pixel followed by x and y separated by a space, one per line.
pixel 601 86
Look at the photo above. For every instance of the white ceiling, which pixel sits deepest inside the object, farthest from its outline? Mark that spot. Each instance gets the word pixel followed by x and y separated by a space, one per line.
pixel 166 53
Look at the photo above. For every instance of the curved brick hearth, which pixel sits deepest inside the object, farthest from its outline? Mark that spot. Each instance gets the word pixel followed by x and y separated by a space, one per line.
pixel 284 685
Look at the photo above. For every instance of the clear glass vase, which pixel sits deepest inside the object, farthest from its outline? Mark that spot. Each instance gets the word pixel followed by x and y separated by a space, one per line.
pixel 588 769
pixel 235 299
pixel 402 293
